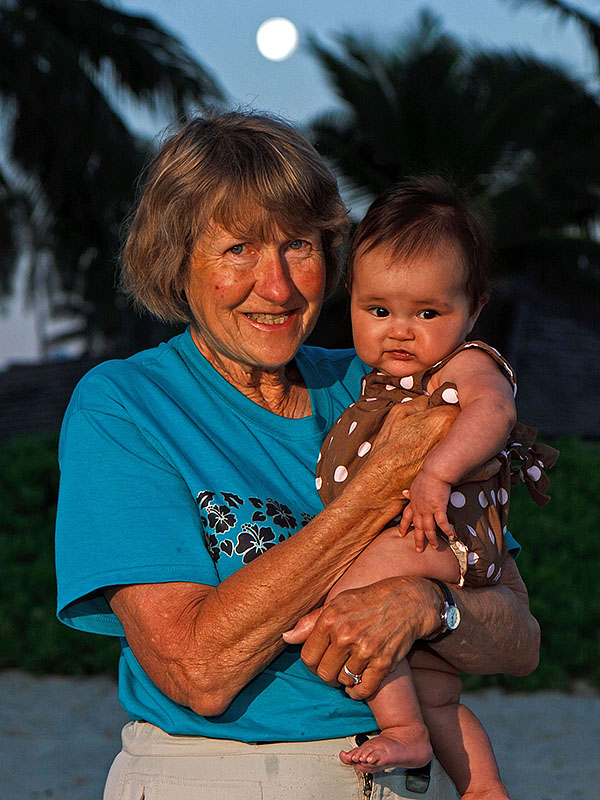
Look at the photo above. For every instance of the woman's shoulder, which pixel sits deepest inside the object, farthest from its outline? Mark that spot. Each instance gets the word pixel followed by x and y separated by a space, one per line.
pixel 106 383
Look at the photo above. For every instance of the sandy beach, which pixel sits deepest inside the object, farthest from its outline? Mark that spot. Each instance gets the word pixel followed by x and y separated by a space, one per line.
pixel 59 735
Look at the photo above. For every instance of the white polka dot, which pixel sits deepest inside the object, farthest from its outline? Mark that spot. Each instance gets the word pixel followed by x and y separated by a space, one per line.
pixel 450 396
pixel 482 499
pixel 389 387
pixel 493 497
pixel 407 383
pixel 472 558
pixel 370 399
pixel 381 373
pixel 457 499
pixel 319 458
pixel 471 530
pixel 540 463
pixel 502 496
pixel 490 570
pixel 364 385
pixel 491 535
pixel 351 428
pixel 535 473
pixel 340 474
pixel 498 574
pixel 406 400
pixel 338 421
pixel 318 483
pixel 363 449
pixel 351 405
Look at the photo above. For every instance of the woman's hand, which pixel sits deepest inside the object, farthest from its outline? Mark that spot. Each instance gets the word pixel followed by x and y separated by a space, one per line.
pixel 370 630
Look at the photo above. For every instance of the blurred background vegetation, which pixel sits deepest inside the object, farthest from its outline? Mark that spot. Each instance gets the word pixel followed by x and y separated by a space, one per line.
pixel 521 133
pixel 559 563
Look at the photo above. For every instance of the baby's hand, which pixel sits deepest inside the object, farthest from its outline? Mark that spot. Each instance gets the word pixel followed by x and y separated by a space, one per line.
pixel 428 505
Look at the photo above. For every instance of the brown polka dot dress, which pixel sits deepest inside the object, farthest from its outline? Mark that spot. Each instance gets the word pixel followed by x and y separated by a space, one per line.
pixel 478 508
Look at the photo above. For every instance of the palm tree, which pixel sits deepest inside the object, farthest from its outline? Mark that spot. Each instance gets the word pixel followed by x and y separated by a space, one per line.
pixel 589 25
pixel 70 71
pixel 523 135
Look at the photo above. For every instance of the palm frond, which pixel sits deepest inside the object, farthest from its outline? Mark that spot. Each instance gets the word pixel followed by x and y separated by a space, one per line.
pixel 589 25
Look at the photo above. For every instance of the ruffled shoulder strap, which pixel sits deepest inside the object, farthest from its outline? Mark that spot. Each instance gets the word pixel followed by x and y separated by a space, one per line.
pixel 529 460
pixel 505 367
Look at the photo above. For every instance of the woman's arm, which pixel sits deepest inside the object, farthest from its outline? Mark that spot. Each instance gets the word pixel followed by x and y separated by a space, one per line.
pixel 372 628
pixel 201 644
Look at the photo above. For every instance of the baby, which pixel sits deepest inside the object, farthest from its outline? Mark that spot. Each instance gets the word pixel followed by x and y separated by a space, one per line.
pixel 417 277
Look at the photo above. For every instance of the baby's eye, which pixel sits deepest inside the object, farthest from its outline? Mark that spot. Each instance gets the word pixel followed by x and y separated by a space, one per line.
pixel 379 311
pixel 428 313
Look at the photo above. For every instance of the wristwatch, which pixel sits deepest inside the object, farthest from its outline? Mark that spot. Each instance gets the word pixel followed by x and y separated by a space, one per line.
pixel 450 614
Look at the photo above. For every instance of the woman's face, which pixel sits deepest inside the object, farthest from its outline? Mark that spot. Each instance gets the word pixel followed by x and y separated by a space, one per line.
pixel 254 302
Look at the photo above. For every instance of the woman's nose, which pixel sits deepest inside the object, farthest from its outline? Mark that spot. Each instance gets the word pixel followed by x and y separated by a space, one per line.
pixel 274 281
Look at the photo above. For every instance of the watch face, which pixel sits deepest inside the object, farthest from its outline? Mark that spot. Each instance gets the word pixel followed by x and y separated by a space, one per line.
pixel 452 617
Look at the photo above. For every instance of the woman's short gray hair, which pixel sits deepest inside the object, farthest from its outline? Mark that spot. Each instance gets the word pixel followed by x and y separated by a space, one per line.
pixel 248 173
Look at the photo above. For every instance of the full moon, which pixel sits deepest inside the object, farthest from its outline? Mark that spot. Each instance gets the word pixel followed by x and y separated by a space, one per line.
pixel 277 38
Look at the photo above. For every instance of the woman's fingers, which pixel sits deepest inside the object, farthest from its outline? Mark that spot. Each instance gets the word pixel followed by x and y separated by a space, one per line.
pixel 366 629
pixel 302 628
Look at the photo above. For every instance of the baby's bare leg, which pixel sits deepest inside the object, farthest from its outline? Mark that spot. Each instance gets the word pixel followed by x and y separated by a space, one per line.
pixel 458 738
pixel 404 739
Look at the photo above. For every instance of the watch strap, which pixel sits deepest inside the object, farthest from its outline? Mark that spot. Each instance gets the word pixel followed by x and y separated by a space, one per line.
pixel 449 602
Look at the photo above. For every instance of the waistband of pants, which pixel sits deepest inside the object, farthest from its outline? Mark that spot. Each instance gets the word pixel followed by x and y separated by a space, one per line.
pixel 143 738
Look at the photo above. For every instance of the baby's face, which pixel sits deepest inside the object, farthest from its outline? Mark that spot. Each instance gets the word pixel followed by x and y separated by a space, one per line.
pixel 408 315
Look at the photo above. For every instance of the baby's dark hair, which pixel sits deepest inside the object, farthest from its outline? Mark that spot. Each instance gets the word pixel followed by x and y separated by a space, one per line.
pixel 419 213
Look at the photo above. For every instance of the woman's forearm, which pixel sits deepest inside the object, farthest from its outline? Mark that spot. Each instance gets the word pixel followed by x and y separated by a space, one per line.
pixel 497 632
pixel 202 644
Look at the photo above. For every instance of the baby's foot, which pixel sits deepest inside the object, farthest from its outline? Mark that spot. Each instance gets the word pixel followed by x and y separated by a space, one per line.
pixel 401 746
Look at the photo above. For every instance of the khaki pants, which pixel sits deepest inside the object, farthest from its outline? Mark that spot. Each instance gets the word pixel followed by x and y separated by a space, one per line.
pixel 156 766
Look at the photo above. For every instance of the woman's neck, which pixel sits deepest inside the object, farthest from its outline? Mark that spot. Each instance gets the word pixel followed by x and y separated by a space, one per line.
pixel 281 391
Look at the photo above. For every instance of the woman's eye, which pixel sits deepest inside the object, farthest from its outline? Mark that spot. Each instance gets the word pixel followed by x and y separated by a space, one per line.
pixel 428 313
pixel 237 249
pixel 298 244
pixel 378 311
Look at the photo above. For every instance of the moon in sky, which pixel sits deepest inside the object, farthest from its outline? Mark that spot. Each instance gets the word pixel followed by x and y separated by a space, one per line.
pixel 277 38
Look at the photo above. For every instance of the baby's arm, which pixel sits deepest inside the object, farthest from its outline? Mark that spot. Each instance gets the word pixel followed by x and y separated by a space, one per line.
pixel 487 416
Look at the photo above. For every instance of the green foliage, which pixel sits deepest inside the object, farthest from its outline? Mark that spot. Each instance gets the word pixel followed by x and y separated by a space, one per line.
pixel 559 563
pixel 31 637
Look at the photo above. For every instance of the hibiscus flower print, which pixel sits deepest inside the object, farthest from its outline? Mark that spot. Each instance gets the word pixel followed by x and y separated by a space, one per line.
pixel 233 500
pixel 253 541
pixel 280 513
pixel 204 498
pixel 220 518
pixel 212 544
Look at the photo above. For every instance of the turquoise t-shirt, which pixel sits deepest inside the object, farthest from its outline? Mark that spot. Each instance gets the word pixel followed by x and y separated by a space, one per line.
pixel 168 473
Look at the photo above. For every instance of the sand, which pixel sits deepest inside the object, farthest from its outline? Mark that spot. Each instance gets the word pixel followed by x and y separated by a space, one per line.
pixel 59 735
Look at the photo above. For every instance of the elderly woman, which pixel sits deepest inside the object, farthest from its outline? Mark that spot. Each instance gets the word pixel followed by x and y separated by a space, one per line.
pixel 188 521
